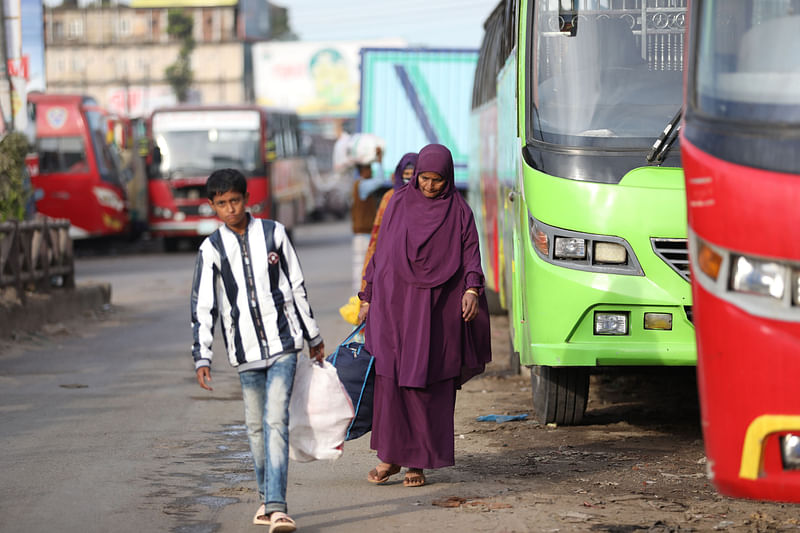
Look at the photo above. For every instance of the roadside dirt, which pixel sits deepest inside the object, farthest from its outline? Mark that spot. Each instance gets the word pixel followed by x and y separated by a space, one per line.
pixel 636 463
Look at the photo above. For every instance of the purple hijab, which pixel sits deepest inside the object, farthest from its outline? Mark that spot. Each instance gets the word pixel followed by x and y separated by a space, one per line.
pixel 426 258
pixel 422 251
pixel 408 159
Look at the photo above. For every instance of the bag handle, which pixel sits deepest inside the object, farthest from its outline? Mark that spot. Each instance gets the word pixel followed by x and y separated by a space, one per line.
pixel 355 332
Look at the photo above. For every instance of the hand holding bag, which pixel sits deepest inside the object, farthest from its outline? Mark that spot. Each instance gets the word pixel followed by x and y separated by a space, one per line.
pixel 320 412
pixel 356 368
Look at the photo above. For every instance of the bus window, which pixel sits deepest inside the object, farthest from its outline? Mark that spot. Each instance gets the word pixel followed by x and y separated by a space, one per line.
pixel 61 155
pixel 602 86
pixel 742 71
pixel 201 151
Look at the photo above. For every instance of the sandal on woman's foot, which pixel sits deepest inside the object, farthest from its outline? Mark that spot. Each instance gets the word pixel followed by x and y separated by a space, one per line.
pixel 381 475
pixel 281 523
pixel 261 518
pixel 414 478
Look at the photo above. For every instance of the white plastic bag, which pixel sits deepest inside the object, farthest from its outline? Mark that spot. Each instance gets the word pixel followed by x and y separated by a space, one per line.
pixel 320 411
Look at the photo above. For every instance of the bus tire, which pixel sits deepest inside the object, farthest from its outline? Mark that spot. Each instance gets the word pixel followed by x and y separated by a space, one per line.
pixel 559 394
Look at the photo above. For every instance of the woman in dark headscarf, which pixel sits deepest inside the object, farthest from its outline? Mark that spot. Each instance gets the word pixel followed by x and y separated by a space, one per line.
pixel 427 319
pixel 402 175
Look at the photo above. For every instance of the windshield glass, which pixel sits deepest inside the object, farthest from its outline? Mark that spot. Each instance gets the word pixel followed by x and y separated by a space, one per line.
pixel 196 143
pixel 62 155
pixel 748 61
pixel 605 73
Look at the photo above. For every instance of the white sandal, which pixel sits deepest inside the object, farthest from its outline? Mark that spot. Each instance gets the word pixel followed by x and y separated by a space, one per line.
pixel 260 518
pixel 281 523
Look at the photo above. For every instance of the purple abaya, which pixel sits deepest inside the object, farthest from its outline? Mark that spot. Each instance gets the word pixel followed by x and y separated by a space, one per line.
pixel 425 260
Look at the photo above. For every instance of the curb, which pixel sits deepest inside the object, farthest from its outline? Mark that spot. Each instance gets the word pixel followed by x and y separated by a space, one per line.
pixel 56 306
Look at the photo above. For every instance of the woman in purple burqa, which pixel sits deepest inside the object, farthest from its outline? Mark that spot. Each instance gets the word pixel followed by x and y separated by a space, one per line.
pixel 427 319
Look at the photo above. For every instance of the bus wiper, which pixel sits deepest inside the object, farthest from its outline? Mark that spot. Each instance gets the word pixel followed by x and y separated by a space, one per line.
pixel 662 145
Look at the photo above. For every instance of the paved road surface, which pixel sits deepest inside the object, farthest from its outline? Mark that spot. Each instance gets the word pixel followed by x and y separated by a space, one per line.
pixel 103 427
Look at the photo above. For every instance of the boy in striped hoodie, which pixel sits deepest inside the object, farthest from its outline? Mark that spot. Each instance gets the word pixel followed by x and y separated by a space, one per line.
pixel 247 274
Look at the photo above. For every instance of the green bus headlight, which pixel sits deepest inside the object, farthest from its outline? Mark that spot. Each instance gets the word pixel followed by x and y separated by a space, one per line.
pixel 758 277
pixel 610 323
pixel 570 248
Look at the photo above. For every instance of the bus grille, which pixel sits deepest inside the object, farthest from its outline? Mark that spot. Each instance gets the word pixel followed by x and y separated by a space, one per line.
pixel 675 253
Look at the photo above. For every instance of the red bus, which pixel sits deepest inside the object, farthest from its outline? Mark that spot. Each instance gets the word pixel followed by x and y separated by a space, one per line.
pixel 78 176
pixel 190 142
pixel 741 153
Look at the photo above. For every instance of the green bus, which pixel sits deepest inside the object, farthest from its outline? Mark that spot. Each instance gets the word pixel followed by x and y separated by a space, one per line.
pixel 577 189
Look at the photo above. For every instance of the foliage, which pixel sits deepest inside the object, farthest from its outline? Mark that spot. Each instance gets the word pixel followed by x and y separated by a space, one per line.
pixel 279 23
pixel 14 191
pixel 179 74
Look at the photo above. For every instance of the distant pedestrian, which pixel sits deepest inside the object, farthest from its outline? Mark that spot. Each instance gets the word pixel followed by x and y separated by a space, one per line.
pixel 427 320
pixel 248 274
pixel 365 149
pixel 402 175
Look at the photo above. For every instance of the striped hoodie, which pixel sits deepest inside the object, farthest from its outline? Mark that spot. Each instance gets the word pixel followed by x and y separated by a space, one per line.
pixel 255 284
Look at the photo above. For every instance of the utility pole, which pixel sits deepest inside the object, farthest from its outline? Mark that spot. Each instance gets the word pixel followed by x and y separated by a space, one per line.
pixel 4 58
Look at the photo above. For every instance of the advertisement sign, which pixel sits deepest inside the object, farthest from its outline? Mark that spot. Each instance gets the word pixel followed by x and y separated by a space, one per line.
pixel 315 79
pixel 138 100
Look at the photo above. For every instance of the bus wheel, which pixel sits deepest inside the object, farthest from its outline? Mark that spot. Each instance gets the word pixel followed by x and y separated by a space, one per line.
pixel 559 394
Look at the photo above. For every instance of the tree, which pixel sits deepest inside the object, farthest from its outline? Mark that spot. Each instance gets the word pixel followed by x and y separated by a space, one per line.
pixel 280 29
pixel 179 74
pixel 14 190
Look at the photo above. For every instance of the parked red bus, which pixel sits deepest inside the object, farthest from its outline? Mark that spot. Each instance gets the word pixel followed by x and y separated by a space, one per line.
pixel 190 142
pixel 741 154
pixel 78 176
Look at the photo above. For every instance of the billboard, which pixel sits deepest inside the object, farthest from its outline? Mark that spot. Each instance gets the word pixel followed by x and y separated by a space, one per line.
pixel 315 79
pixel 411 97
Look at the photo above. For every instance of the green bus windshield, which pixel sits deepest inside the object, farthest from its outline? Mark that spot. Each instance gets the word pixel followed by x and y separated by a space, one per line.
pixel 605 74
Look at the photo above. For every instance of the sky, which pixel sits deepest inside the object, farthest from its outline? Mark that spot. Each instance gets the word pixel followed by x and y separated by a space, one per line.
pixel 430 23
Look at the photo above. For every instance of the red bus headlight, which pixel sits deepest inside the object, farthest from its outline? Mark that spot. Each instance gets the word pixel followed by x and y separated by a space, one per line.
pixel 758 277
pixel 796 286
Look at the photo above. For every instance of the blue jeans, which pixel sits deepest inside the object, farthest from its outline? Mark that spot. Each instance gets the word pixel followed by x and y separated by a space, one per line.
pixel 266 395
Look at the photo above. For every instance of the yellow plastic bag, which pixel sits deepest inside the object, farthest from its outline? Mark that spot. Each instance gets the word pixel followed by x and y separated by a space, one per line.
pixel 349 311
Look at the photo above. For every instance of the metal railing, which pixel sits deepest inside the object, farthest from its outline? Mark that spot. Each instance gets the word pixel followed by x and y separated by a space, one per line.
pixel 36 255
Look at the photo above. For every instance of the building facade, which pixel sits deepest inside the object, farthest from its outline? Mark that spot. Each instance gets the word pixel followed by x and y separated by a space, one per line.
pixel 119 55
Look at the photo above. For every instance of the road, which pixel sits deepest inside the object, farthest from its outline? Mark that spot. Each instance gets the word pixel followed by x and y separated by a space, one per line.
pixel 103 428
